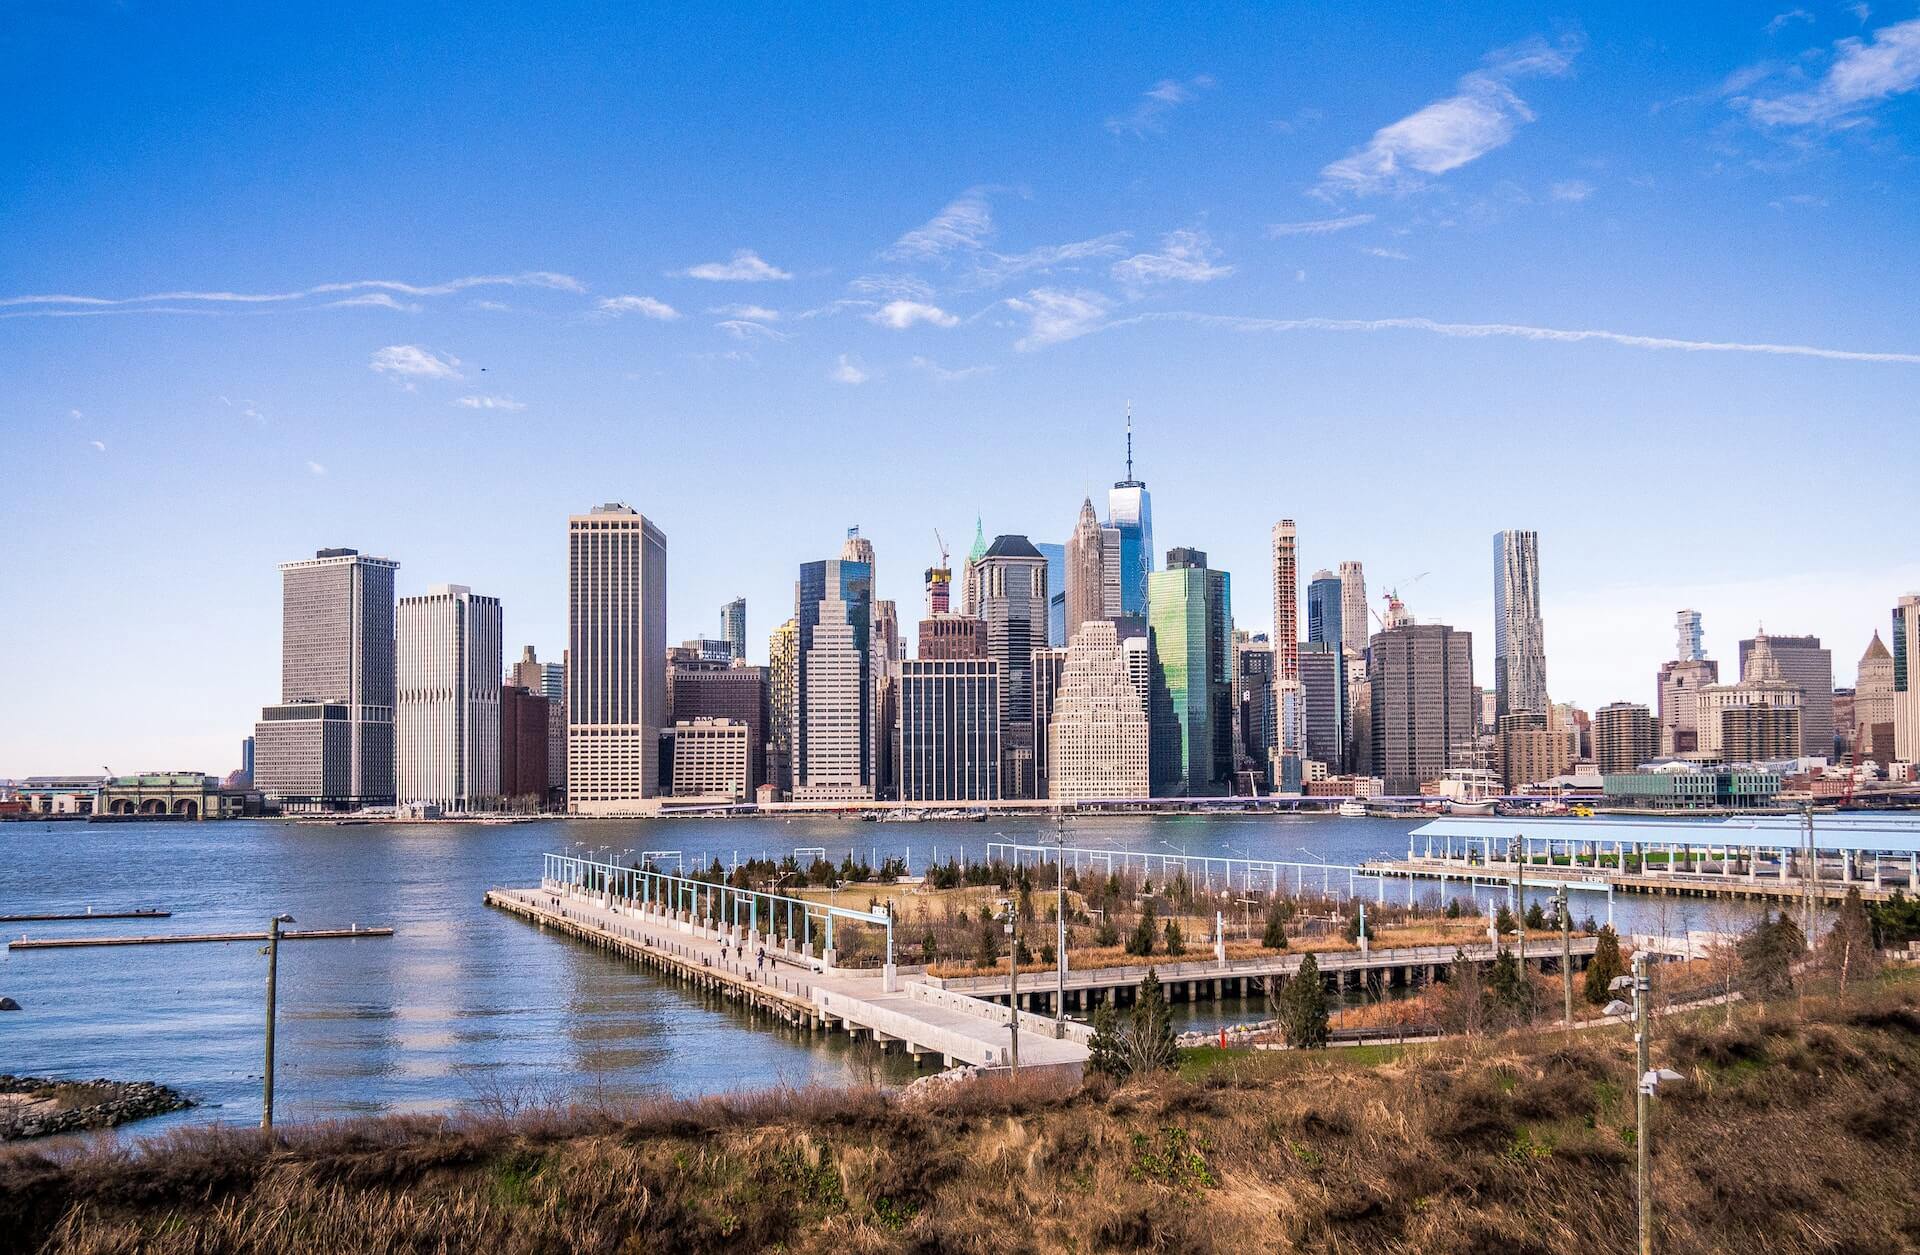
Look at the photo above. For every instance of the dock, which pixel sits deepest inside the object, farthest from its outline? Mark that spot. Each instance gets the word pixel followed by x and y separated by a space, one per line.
pixel 913 1016
pixel 88 914
pixel 186 939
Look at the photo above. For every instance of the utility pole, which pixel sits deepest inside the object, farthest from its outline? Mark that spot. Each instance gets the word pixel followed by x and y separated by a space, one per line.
pixel 273 973
pixel 1643 1096
pixel 1013 981
pixel 1566 950
pixel 1060 917
pixel 1520 919
pixel 1809 870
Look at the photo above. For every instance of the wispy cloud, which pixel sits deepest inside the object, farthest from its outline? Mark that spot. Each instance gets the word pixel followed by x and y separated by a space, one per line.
pixel 991 269
pixel 491 403
pixel 1391 254
pixel 1318 226
pixel 1477 331
pixel 745 266
pixel 892 287
pixel 748 329
pixel 848 371
pixel 1783 20
pixel 1055 316
pixel 410 362
pixel 966 222
pixel 526 279
pixel 947 375
pixel 900 315
pixel 645 306
pixel 1572 190
pixel 99 446
pixel 753 313
pixel 375 300
pixel 1863 73
pixel 1185 256
pixel 1479 117
pixel 1149 116
pixel 316 468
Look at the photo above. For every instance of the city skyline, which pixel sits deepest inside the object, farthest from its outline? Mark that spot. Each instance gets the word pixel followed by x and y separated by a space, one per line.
pixel 1488 257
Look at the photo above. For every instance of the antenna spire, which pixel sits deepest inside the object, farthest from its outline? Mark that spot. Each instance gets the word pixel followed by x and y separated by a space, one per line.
pixel 1129 442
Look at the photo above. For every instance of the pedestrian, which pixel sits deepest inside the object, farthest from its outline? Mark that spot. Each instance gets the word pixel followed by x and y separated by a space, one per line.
pixel 759 958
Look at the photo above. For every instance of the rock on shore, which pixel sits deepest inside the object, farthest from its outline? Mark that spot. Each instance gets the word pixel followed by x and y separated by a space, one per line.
pixel 39 1106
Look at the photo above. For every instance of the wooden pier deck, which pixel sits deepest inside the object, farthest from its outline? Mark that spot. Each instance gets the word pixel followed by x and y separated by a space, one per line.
pixel 906 1013
pixel 1767 886
pixel 183 939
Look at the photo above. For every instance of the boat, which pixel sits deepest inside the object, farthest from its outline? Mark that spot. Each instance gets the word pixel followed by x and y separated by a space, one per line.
pixel 1352 808
pixel 1478 806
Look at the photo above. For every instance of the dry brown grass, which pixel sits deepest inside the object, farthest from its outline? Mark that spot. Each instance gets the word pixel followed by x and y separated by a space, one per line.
pixel 1793 1133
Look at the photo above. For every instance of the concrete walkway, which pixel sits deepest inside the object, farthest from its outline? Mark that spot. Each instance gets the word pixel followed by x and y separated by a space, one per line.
pixel 923 1019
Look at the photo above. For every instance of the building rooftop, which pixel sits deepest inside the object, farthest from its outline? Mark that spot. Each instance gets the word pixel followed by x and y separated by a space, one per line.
pixel 1012 547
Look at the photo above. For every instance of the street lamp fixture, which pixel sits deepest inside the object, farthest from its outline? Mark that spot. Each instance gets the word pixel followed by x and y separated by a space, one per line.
pixel 272 951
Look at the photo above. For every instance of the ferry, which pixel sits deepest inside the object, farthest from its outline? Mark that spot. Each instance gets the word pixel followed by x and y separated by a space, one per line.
pixel 1353 808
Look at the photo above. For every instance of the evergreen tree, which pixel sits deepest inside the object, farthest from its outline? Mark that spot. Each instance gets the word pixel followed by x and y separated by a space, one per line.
pixel 1303 1008
pixel 1503 922
pixel 1275 936
pixel 1536 918
pixel 1895 921
pixel 989 943
pixel 1767 953
pixel 1150 1042
pixel 1453 908
pixel 1106 934
pixel 1107 1052
pixel 929 947
pixel 1141 943
pixel 1354 925
pixel 1507 986
pixel 1847 950
pixel 1605 965
pixel 1176 941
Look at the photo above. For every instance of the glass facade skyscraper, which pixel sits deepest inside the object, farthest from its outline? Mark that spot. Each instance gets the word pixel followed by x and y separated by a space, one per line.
pixel 833 681
pixel 1056 556
pixel 1190 618
pixel 1519 640
pixel 1324 609
pixel 1130 512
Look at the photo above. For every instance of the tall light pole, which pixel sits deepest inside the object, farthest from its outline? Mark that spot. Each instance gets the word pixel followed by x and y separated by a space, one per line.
pixel 1566 950
pixel 1060 918
pixel 273 973
pixel 1013 982
pixel 1643 1096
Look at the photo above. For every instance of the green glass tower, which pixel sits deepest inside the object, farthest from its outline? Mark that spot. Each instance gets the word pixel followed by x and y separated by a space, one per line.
pixel 1190 625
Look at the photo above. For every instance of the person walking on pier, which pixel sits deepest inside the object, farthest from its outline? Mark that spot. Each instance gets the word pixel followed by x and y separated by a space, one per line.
pixel 759 959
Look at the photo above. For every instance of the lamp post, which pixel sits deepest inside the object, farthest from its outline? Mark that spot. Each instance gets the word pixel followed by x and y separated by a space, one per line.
pixel 1566 950
pixel 272 952
pixel 1013 986
pixel 1060 920
pixel 1648 1079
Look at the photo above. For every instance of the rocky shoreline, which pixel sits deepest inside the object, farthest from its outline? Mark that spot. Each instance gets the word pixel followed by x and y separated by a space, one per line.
pixel 40 1106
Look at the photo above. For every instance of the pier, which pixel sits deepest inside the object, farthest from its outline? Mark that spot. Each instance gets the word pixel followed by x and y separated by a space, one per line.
pixel 759 949
pixel 1778 859
pixel 187 939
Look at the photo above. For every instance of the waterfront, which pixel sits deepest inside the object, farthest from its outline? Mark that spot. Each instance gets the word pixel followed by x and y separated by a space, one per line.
pixel 465 1006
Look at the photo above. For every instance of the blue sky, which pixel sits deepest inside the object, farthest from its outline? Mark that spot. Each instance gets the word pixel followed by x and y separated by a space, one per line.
pixel 425 281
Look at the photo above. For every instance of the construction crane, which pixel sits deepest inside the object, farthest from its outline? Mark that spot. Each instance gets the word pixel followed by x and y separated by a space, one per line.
pixel 943 548
pixel 1395 607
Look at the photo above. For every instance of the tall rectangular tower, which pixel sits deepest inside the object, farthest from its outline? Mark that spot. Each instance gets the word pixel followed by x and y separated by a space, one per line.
pixel 1325 609
pixel 1190 617
pixel 447 718
pixel 733 627
pixel 1012 577
pixel 1421 684
pixel 1808 667
pixel 1906 684
pixel 334 723
pixel 833 704
pixel 1519 638
pixel 1353 608
pixel 616 658
pixel 1130 514
pixel 1288 705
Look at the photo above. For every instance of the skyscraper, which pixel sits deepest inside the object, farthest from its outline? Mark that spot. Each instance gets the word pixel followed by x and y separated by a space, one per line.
pixel 525 755
pixel 1056 556
pixel 1046 684
pixel 733 626
pixel 1325 609
pixel 1190 615
pixel 1130 512
pixel 1906 684
pixel 1624 736
pixel 730 695
pixel 1086 572
pixel 1730 732
pixel 1679 683
pixel 447 713
pixel 527 672
pixel 833 691
pixel 1290 718
pixel 950 730
pixel 1353 607
pixel 329 742
pixel 616 658
pixel 1253 683
pixel 1323 701
pixel 1690 645
pixel 1519 639
pixel 1012 579
pixel 1809 668
pixel 1110 571
pixel 1097 738
pixel 939 590
pixel 1873 704
pixel 969 571
pixel 952 636
pixel 1421 681
pixel 783 667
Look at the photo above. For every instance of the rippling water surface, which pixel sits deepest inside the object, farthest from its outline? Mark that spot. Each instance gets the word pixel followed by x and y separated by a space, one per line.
pixel 465 1005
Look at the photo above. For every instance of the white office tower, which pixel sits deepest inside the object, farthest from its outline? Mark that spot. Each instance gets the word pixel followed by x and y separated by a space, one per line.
pixel 1906 682
pixel 1353 609
pixel 447 715
pixel 616 659
pixel 1097 738
pixel 834 761
pixel 1691 644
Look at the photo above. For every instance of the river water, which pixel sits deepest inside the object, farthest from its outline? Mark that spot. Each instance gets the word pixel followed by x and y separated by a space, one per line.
pixel 466 1006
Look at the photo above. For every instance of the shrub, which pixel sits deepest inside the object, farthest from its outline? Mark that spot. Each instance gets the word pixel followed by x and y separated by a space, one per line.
pixel 1605 965
pixel 1303 1008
